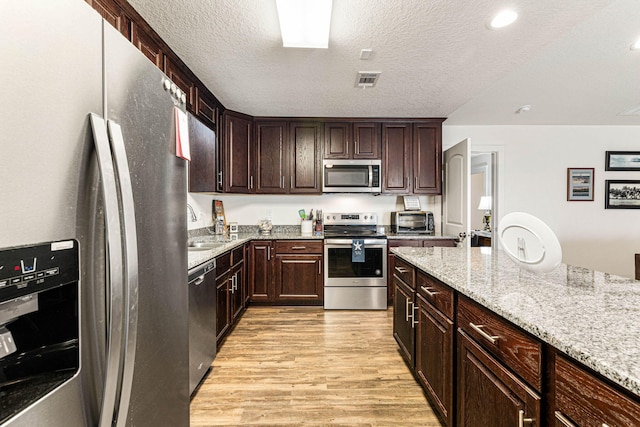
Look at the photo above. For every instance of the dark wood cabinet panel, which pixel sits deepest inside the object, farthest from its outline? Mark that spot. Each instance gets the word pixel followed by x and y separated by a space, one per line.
pixel 586 401
pixel 436 293
pixel 202 167
pixel 207 109
pixel 114 14
pixel 305 157
pixel 506 342
pixel 237 153
pixel 434 357
pixel 403 328
pixel 149 46
pixel 270 157
pixel 298 279
pixel 488 394
pixel 236 297
pixel 366 140
pixel 260 271
pixel 337 140
pixel 183 78
pixel 396 158
pixel 427 158
pixel 222 306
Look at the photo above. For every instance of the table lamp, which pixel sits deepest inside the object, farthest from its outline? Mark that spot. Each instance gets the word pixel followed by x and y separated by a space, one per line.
pixel 485 205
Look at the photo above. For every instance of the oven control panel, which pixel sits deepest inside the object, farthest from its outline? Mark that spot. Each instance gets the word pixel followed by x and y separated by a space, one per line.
pixel 367 218
pixel 28 269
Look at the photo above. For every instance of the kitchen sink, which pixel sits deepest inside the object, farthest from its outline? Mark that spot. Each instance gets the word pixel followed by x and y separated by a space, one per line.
pixel 203 246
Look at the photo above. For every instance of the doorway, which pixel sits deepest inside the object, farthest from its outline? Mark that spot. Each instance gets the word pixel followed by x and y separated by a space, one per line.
pixel 485 189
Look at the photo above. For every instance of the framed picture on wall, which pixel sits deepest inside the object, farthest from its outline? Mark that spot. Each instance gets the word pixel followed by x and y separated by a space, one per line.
pixel 580 184
pixel 622 161
pixel 622 194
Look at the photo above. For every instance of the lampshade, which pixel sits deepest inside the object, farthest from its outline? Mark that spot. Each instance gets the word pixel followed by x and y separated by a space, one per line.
pixel 304 23
pixel 485 203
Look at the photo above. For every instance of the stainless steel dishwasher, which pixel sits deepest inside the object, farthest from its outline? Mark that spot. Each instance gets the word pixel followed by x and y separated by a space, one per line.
pixel 202 321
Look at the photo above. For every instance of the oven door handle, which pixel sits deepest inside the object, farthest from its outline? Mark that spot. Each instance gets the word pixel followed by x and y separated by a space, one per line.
pixel 338 243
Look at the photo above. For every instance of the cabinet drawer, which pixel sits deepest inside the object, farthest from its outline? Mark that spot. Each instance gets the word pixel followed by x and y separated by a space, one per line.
pixel 394 243
pixel 436 292
pixel 583 399
pixel 223 263
pixel 237 255
pixel 405 272
pixel 508 343
pixel 299 246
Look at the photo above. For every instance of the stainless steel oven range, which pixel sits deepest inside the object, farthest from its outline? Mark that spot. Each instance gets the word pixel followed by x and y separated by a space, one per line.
pixel 354 281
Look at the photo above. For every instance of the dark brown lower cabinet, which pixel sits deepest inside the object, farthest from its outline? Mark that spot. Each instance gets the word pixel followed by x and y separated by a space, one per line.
pixel 222 306
pixel 403 327
pixel 259 270
pixel 434 357
pixel 299 279
pixel 230 291
pixel 489 394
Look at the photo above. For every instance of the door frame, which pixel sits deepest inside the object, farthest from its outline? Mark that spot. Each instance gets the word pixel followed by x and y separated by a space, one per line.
pixel 497 185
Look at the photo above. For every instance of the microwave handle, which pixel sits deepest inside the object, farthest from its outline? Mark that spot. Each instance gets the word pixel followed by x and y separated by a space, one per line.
pixel 370 176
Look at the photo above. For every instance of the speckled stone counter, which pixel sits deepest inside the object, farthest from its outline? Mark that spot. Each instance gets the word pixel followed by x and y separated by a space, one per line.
pixel 591 316
pixel 417 236
pixel 195 258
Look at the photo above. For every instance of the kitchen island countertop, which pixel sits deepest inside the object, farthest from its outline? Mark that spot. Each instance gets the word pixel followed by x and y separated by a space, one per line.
pixel 591 316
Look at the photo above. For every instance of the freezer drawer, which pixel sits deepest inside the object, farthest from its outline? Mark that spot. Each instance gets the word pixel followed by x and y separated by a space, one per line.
pixel 355 298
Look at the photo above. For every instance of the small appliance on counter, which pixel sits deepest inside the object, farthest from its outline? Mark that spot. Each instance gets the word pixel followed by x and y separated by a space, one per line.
pixel 412 222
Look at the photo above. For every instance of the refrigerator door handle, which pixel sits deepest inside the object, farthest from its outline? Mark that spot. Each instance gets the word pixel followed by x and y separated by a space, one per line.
pixel 115 276
pixel 131 266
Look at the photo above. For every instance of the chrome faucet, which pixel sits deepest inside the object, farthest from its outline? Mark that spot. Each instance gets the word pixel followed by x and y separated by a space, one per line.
pixel 191 213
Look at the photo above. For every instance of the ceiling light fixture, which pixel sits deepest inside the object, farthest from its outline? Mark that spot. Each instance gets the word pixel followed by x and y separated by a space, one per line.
pixel 305 23
pixel 636 45
pixel 523 109
pixel 503 19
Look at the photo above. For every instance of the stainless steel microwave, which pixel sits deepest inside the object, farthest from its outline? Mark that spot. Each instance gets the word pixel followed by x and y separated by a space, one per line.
pixel 351 176
pixel 412 222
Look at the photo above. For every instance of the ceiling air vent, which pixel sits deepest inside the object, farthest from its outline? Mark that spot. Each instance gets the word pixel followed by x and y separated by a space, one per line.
pixel 367 78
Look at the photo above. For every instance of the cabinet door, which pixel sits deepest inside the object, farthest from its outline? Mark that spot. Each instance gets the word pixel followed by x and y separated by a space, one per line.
pixel 260 266
pixel 489 395
pixel 236 296
pixel 434 357
pixel 202 167
pixel 148 45
pixel 237 152
pixel 337 140
pixel 396 158
pixel 305 157
pixel 403 329
pixel 222 307
pixel 427 161
pixel 298 279
pixel 207 109
pixel 113 13
pixel 270 157
pixel 366 141
pixel 183 78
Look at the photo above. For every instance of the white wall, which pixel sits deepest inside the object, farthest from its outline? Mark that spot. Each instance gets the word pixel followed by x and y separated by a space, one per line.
pixel 283 210
pixel 534 180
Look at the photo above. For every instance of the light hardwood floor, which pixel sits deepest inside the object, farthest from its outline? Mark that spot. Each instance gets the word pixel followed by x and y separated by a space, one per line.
pixel 306 366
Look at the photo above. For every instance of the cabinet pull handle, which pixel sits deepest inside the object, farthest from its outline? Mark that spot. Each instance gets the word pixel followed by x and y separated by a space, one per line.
pixel 415 182
pixel 414 320
pixel 522 419
pixel 492 338
pixel 402 269
pixel 199 280
pixel 406 313
pixel 429 292
pixel 565 422
pixel 251 182
pixel 268 253
pixel 319 268
pixel 282 181
pixel 291 181
pixel 298 247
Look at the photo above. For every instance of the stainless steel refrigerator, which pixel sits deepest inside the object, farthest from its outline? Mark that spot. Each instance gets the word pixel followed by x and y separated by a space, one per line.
pixel 87 159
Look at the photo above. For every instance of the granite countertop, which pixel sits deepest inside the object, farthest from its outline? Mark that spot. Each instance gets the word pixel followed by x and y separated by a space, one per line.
pixel 195 258
pixel 591 316
pixel 391 235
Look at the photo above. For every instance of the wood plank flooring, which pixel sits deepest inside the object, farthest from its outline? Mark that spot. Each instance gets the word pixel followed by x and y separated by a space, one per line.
pixel 306 366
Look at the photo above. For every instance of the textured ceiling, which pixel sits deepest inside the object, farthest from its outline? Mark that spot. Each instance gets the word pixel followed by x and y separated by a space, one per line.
pixel 569 59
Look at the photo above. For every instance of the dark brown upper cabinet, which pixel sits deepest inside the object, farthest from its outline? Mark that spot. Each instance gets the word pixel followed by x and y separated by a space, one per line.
pixel 305 157
pixel 202 167
pixel 270 155
pixel 237 162
pixel 114 14
pixel 352 140
pixel 411 157
pixel 148 45
pixel 183 78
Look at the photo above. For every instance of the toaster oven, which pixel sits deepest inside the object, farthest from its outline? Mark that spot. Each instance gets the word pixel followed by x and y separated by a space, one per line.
pixel 412 222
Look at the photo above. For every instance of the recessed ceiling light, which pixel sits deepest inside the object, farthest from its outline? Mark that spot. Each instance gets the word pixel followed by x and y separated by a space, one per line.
pixel 305 23
pixel 636 45
pixel 523 109
pixel 503 19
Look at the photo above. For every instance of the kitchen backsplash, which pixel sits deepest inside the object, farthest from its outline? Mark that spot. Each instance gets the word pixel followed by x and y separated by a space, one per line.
pixel 283 210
